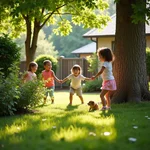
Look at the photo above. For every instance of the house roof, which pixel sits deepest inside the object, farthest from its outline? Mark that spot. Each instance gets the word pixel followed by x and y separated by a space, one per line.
pixel 89 48
pixel 109 30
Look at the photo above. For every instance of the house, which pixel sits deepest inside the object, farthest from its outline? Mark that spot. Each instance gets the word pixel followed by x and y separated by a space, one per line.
pixel 103 38
pixel 85 51
pixel 106 37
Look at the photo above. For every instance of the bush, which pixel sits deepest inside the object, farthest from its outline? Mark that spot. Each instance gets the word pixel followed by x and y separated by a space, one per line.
pixel 92 86
pixel 93 61
pixel 31 94
pixel 40 59
pixel 9 54
pixel 148 61
pixel 15 96
pixel 9 91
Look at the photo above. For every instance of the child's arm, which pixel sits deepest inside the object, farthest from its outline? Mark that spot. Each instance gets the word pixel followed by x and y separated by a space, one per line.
pixel 99 73
pixel 56 78
pixel 24 77
pixel 87 79
pixel 64 80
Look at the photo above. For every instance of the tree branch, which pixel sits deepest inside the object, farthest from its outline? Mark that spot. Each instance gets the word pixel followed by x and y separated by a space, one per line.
pixel 53 12
pixel 46 19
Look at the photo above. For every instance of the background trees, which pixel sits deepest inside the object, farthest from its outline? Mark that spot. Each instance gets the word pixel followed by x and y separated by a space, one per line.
pixel 33 15
pixel 44 45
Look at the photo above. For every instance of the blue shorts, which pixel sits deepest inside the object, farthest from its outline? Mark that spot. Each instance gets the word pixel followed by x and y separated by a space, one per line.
pixel 50 91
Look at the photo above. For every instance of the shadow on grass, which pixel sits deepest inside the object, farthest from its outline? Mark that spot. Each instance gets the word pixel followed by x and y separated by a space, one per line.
pixel 71 130
pixel 63 132
pixel 71 107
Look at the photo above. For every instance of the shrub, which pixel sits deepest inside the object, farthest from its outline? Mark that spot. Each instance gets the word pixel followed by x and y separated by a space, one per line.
pixel 93 61
pixel 92 86
pixel 31 94
pixel 9 54
pixel 40 59
pixel 9 91
pixel 148 60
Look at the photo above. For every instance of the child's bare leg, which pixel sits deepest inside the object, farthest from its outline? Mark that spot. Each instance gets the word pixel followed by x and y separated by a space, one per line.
pixel 52 99
pixel 81 98
pixel 45 99
pixel 108 100
pixel 102 94
pixel 70 98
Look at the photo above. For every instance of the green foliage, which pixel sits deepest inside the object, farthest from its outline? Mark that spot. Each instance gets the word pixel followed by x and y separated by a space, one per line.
pixel 35 14
pixel 148 60
pixel 48 12
pixel 40 59
pixel 92 86
pixel 32 94
pixel 44 46
pixel 66 44
pixel 15 96
pixel 93 61
pixel 9 91
pixel 9 54
pixel 140 11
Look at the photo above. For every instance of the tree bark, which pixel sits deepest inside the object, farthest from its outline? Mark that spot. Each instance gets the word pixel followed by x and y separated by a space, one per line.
pixel 130 56
pixel 31 41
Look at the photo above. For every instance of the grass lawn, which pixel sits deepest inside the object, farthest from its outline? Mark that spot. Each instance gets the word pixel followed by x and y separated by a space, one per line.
pixel 58 127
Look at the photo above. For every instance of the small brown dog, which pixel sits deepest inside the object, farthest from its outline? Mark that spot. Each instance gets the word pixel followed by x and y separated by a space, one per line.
pixel 93 106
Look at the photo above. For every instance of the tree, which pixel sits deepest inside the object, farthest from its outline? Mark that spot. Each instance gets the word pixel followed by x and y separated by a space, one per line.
pixel 69 43
pixel 37 13
pixel 44 46
pixel 65 45
pixel 130 52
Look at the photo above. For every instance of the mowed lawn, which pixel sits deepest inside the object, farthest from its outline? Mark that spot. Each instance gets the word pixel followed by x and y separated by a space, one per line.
pixel 58 127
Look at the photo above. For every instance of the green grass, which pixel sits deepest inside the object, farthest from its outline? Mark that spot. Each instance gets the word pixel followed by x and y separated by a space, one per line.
pixel 58 127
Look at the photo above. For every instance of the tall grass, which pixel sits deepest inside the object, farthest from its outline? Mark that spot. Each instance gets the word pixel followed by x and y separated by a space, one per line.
pixel 59 127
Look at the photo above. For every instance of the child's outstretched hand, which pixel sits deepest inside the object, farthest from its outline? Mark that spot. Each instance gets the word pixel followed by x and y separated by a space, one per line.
pixel 93 77
pixel 60 81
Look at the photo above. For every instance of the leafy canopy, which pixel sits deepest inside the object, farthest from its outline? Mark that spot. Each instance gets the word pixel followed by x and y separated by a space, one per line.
pixel 19 13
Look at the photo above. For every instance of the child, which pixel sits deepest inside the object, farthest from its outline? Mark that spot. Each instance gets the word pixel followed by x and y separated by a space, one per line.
pixel 75 85
pixel 30 74
pixel 109 85
pixel 48 76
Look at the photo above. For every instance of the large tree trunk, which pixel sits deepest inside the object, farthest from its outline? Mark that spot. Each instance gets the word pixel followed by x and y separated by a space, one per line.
pixel 130 56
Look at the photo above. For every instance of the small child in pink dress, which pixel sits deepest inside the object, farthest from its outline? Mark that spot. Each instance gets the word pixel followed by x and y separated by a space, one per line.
pixel 48 76
pixel 109 84
pixel 30 74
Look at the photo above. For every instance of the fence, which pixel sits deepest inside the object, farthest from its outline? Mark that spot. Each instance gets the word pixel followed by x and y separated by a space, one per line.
pixel 64 67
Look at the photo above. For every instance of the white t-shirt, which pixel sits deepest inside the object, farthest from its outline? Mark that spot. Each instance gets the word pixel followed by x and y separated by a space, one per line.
pixel 76 81
pixel 107 73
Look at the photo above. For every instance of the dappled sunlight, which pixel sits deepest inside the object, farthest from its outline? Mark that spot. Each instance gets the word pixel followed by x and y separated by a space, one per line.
pixel 19 125
pixel 70 134
pixel 14 129
pixel 60 127
pixel 98 125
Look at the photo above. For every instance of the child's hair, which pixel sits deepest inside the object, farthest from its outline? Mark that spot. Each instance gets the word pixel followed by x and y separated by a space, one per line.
pixel 32 64
pixel 46 61
pixel 76 67
pixel 106 53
